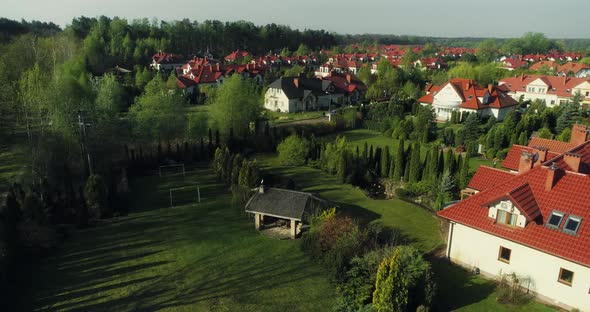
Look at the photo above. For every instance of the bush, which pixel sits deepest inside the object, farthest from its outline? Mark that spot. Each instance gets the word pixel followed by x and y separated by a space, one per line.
pixel 491 152
pixel 293 151
pixel 502 154
pixel 97 197
pixel 403 193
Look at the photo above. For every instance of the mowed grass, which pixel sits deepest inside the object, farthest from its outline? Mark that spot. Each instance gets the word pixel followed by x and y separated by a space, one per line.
pixel 417 226
pixel 205 257
pixel 279 118
pixel 457 288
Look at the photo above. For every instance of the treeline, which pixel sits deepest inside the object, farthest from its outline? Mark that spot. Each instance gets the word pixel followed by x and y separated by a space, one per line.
pixel 413 170
pixel 10 29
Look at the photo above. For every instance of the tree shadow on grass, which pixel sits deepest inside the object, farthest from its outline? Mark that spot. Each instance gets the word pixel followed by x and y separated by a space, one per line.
pixel 457 287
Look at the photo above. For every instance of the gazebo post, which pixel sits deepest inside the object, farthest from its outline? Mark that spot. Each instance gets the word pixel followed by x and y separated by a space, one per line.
pixel 293 228
pixel 257 218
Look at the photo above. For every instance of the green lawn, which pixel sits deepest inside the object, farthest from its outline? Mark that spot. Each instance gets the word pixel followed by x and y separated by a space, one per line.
pixel 279 118
pixel 458 289
pixel 416 224
pixel 188 258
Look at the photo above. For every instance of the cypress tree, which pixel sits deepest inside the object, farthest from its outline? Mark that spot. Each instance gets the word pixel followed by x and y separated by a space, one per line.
pixel 217 142
pixel 464 172
pixel 392 163
pixel 450 161
pixel 365 152
pixel 377 161
pixel 385 161
pixel 399 162
pixel 415 164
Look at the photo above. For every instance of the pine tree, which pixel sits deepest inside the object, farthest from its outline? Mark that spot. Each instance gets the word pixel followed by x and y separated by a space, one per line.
pixel 450 161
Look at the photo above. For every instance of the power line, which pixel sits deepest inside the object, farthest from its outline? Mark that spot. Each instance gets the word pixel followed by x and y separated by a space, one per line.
pixel 83 138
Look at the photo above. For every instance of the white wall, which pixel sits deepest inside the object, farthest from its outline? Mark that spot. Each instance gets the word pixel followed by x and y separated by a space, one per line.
pixel 473 248
pixel 276 100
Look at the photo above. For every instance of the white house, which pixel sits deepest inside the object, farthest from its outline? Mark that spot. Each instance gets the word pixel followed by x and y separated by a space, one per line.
pixel 465 95
pixel 552 90
pixel 166 61
pixel 297 94
pixel 534 223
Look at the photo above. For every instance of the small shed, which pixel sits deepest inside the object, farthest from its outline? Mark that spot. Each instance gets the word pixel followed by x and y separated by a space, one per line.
pixel 284 204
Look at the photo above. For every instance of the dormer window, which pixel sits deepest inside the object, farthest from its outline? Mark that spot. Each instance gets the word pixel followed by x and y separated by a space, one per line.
pixel 572 224
pixel 507 218
pixel 554 220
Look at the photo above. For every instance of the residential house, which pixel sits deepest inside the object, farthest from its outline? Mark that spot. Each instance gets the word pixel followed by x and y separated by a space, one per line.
pixel 353 90
pixel 431 63
pixel 166 61
pixel 297 94
pixel 236 56
pixel 552 90
pixel 574 69
pixel 533 223
pixel 513 63
pixel 465 95
pixel 551 65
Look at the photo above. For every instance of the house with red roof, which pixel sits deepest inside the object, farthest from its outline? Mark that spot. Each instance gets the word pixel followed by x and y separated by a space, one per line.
pixel 574 70
pixel 236 56
pixel 166 61
pixel 465 95
pixel 533 222
pixel 431 63
pixel 513 63
pixel 551 65
pixel 552 90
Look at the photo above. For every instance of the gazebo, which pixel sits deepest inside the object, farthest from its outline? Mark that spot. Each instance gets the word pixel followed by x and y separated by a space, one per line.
pixel 283 204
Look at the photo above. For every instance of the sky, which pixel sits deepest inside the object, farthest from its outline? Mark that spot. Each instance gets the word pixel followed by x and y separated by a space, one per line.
pixel 451 18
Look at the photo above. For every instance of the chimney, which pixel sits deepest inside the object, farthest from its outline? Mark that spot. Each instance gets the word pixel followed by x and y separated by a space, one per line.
pixel 261 188
pixel 526 162
pixel 467 85
pixel 490 88
pixel 579 134
pixel 541 153
pixel 552 177
pixel 217 67
pixel 349 78
pixel 573 160
pixel 296 81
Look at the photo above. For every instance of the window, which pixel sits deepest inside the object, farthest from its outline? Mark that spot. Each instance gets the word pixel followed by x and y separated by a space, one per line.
pixel 566 276
pixel 572 224
pixel 552 102
pixel 505 217
pixel 504 254
pixel 554 220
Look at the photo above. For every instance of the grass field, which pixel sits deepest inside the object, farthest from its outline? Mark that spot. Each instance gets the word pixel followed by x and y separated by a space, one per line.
pixel 189 258
pixel 279 118
pixel 417 225
pixel 458 289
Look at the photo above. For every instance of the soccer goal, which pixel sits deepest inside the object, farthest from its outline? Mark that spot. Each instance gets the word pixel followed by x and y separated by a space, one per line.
pixel 186 195
pixel 175 169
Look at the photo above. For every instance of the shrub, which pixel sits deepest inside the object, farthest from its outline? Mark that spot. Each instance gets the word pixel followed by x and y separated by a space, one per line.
pixel 96 197
pixel 293 151
pixel 403 193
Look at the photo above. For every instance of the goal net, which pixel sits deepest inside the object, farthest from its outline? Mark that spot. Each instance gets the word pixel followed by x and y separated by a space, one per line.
pixel 184 196
pixel 168 170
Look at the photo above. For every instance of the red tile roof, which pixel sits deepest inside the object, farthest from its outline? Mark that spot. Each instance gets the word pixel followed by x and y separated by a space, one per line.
pixel 555 146
pixel 487 177
pixel 550 64
pixel 470 92
pixel 513 157
pixel 556 85
pixel 527 190
pixel 572 67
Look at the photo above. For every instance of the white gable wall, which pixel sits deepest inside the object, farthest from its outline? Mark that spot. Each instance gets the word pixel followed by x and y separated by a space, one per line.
pixel 473 248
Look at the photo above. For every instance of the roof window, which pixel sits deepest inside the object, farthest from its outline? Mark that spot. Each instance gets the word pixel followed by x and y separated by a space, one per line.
pixel 554 220
pixel 572 224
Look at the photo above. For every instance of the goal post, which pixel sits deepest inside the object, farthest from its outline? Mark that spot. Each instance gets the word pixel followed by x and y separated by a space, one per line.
pixel 181 196
pixel 172 170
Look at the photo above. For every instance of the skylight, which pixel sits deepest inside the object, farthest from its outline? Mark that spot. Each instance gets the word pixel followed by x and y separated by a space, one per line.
pixel 572 224
pixel 554 219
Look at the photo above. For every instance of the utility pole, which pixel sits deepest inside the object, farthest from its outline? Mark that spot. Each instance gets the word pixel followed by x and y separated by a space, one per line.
pixel 83 144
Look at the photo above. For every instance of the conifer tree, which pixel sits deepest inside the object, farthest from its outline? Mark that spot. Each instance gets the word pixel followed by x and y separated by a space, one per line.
pixel 415 164
pixel 399 162
pixel 385 162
